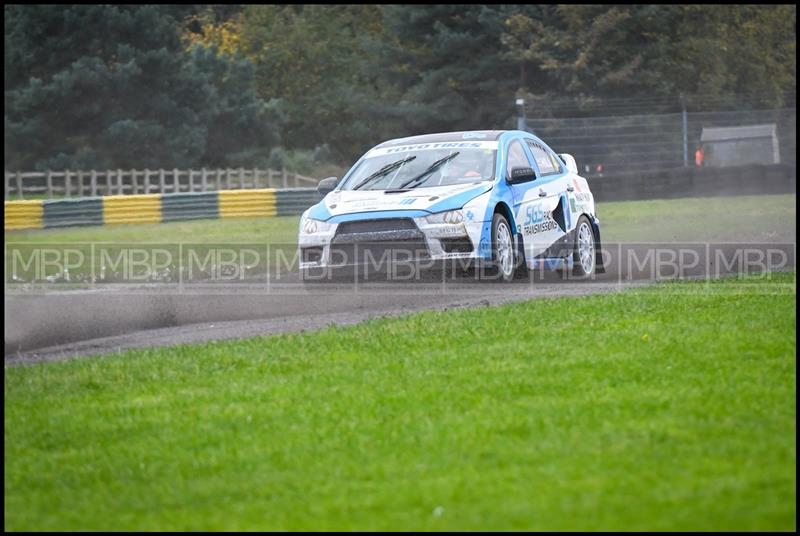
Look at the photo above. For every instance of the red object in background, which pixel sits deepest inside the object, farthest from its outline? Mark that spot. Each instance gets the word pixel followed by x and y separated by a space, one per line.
pixel 699 154
pixel 599 168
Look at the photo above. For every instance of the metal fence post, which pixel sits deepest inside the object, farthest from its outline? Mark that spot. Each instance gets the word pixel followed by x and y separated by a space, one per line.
pixel 204 179
pixel 146 181
pixel 284 178
pixel 521 114
pixel 67 185
pixel 177 180
pixel 109 183
pixel 685 134
pixel 49 183
pixel 228 179
pixel 19 185
pixel 94 183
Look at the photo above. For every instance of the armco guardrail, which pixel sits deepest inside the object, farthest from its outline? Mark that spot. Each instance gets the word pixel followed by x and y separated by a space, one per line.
pixel 154 208
pixel 696 182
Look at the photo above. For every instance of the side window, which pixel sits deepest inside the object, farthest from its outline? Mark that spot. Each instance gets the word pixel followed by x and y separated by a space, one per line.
pixel 516 157
pixel 547 164
pixel 556 162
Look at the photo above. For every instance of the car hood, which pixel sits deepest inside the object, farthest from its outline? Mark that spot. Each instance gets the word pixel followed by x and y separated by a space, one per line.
pixel 433 199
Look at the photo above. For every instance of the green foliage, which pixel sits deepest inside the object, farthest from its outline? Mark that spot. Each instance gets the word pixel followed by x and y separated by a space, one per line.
pixel 112 86
pixel 730 55
pixel 162 86
pixel 446 61
pixel 311 57
pixel 303 161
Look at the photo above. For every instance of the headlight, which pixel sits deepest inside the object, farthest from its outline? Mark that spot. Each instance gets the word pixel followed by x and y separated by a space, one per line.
pixel 451 216
pixel 311 226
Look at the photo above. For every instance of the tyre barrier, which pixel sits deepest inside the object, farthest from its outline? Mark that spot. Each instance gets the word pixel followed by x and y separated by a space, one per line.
pixel 194 206
pixel 23 215
pixel 132 209
pixel 295 200
pixel 156 208
pixel 73 212
pixel 247 203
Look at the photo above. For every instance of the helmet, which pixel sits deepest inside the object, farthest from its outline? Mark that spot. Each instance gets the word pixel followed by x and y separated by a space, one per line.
pixel 468 164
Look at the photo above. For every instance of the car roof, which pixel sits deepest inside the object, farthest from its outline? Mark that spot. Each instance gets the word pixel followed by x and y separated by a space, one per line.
pixel 485 135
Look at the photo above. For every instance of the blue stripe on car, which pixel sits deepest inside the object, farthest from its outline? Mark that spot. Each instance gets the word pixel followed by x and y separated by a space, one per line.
pixel 459 200
pixel 319 211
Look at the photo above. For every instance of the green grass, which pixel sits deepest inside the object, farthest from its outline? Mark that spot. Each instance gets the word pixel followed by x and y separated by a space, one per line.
pixel 277 230
pixel 758 218
pixel 666 408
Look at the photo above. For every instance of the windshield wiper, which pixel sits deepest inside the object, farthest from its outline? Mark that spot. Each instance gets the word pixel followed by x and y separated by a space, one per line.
pixel 433 167
pixel 383 171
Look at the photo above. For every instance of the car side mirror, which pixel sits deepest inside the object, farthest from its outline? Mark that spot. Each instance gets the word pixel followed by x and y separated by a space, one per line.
pixel 522 174
pixel 327 185
pixel 568 159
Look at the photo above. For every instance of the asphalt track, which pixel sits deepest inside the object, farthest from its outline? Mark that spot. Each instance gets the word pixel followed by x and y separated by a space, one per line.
pixel 46 325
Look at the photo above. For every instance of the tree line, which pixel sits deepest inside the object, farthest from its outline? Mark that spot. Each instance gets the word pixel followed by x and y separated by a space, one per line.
pixel 292 85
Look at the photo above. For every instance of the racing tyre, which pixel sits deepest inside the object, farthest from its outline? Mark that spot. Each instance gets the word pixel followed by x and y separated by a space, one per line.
pixel 504 250
pixel 584 254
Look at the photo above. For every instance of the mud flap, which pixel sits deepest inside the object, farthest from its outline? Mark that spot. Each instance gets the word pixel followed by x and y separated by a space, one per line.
pixel 598 248
pixel 519 258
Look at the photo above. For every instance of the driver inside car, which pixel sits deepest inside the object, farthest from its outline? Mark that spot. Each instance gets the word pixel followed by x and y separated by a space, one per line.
pixel 460 168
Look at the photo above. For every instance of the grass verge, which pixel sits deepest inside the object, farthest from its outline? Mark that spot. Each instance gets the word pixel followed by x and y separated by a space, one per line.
pixel 666 408
pixel 272 241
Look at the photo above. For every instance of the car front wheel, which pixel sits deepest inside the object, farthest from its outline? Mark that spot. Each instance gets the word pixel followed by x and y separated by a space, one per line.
pixel 503 249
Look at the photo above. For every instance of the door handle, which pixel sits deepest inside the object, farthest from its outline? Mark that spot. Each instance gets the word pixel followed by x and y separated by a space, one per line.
pixel 570 188
pixel 542 193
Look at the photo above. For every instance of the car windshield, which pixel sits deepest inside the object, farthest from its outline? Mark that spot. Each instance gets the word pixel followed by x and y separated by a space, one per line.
pixel 421 166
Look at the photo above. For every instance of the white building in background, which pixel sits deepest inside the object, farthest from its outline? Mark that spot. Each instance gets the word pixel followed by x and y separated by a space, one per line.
pixel 736 146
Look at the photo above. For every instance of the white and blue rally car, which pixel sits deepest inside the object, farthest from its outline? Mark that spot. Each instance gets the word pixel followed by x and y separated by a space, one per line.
pixel 501 200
